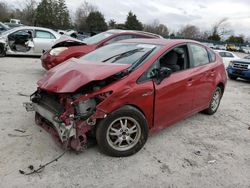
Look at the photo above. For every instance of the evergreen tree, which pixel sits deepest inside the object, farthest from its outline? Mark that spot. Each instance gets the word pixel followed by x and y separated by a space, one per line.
pixel 62 15
pixel 132 22
pixel 96 22
pixel 44 15
pixel 53 14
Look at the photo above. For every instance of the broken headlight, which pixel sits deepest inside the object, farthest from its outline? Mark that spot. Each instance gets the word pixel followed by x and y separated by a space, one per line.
pixel 57 51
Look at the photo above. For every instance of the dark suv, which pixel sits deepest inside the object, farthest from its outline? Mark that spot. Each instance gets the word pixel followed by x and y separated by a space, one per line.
pixel 239 68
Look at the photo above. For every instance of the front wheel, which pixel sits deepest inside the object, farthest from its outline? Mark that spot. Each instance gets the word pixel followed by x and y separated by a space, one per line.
pixel 123 132
pixel 215 102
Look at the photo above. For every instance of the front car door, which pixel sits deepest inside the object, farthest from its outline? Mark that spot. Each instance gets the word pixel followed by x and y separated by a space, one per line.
pixel 174 95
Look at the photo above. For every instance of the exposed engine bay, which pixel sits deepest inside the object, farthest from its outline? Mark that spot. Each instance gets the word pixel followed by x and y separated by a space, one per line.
pixel 71 118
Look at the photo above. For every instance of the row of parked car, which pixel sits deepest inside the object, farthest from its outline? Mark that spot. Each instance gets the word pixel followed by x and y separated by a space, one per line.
pixel 118 86
pixel 229 47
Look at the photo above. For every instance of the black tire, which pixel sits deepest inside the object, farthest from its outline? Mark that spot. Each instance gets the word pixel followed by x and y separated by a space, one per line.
pixel 105 139
pixel 232 77
pixel 2 50
pixel 212 109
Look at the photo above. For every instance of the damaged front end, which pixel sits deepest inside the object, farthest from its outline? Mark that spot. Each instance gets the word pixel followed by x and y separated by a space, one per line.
pixel 69 118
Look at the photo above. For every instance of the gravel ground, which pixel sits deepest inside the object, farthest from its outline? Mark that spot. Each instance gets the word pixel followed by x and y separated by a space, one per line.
pixel 201 151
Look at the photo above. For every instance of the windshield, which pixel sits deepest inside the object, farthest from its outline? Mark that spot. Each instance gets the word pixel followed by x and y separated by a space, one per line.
pixel 8 31
pixel 247 57
pixel 122 53
pixel 97 38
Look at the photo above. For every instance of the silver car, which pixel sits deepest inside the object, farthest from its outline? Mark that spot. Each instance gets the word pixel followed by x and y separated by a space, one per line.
pixel 27 40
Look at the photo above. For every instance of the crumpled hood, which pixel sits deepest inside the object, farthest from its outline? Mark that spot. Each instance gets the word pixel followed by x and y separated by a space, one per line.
pixel 67 39
pixel 72 74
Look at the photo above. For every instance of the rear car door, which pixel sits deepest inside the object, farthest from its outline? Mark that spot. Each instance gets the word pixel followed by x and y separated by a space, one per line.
pixel 43 40
pixel 174 95
pixel 204 75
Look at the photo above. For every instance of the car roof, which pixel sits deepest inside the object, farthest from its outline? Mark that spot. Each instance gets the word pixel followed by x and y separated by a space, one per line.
pixel 117 31
pixel 160 41
pixel 222 51
pixel 33 27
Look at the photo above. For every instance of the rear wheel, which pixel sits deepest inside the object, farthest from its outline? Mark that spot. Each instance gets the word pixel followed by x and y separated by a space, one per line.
pixel 2 50
pixel 122 133
pixel 232 77
pixel 215 102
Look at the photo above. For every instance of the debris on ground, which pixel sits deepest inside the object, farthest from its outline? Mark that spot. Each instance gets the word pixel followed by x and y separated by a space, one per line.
pixel 198 153
pixel 211 161
pixel 41 167
pixel 16 135
pixel 22 94
pixel 20 130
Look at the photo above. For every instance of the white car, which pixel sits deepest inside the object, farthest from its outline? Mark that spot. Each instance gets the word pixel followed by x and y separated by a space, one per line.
pixel 246 50
pixel 227 56
pixel 27 40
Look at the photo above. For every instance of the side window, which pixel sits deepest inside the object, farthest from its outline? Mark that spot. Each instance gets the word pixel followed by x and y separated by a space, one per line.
pixel 21 35
pixel 142 36
pixel 44 35
pixel 200 55
pixel 227 54
pixel 117 38
pixel 222 54
pixel 176 59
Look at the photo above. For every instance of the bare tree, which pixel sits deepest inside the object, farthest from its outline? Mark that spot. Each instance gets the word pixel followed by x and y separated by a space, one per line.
pixel 157 28
pixel 82 13
pixel 221 27
pixel 29 12
pixel 4 11
pixel 189 31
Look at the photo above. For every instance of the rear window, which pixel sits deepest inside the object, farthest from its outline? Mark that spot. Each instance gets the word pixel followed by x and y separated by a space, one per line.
pixel 97 38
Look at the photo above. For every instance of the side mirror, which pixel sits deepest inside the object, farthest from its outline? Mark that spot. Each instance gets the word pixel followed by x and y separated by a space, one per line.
pixel 160 74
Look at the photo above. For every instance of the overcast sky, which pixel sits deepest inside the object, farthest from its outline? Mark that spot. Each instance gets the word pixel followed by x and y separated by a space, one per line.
pixel 175 13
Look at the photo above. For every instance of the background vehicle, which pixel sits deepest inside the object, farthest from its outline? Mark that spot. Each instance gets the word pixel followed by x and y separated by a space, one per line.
pixel 27 41
pixel 246 50
pixel 239 68
pixel 67 48
pixel 220 47
pixel 15 21
pixel 13 25
pixel 120 92
pixel 3 27
pixel 231 47
pixel 227 56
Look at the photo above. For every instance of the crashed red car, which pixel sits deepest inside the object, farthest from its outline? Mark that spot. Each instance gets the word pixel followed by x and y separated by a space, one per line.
pixel 120 93
pixel 67 47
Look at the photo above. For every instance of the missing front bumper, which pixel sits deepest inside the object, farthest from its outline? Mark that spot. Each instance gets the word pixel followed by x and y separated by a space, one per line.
pixel 64 132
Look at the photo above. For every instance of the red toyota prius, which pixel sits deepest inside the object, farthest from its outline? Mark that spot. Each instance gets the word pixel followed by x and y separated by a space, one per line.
pixel 67 47
pixel 120 93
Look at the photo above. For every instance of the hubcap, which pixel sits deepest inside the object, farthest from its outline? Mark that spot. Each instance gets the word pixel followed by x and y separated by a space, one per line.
pixel 215 100
pixel 123 133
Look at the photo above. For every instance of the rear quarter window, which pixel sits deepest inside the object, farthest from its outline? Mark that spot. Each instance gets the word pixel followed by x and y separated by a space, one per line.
pixel 211 55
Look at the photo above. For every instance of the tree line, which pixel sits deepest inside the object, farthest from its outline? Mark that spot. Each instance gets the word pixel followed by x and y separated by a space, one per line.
pixel 55 14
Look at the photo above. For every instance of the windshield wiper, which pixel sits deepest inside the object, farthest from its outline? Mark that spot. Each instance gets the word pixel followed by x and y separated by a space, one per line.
pixel 122 55
pixel 137 63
